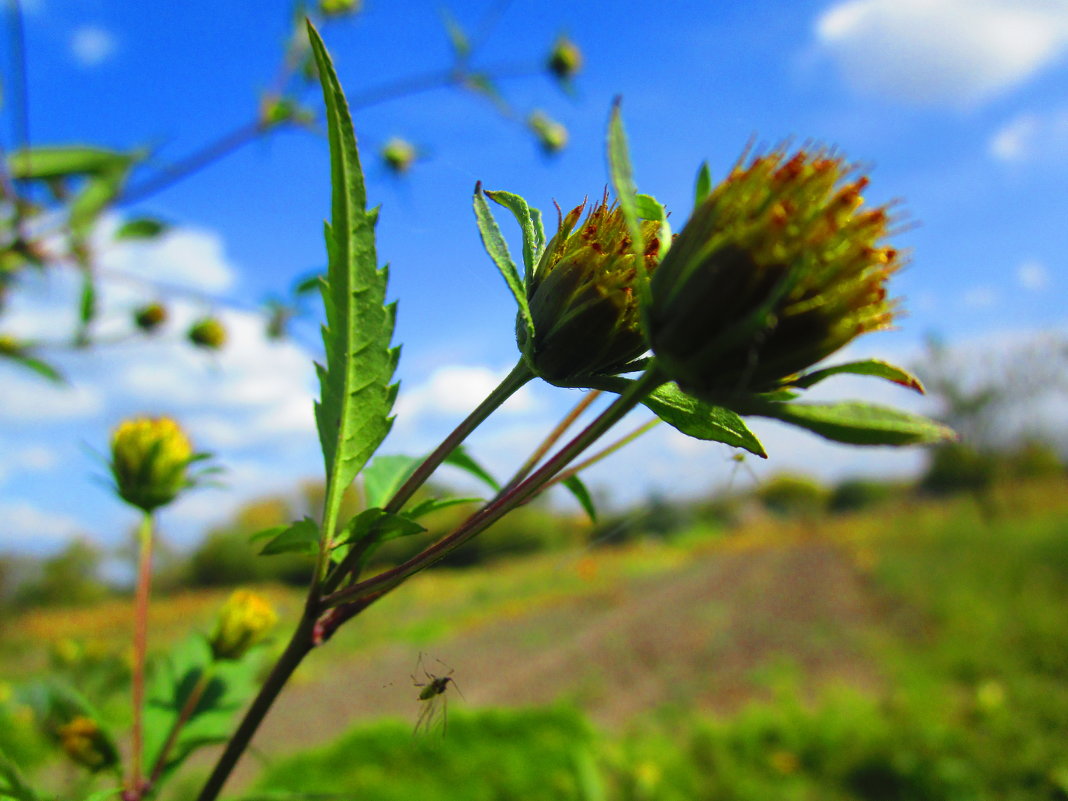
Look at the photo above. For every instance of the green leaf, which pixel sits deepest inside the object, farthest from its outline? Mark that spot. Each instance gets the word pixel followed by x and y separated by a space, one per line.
pixel 98 193
pixel 436 504
pixel 100 795
pixel 582 495
pixel 701 420
pixel 353 413
pixel 858 423
pixel 42 368
pixel 86 305
pixel 622 175
pixel 12 783
pixel 529 222
pixel 385 475
pixel 461 45
pixel 43 163
pixel 381 525
pixel 497 248
pixel 301 536
pixel 649 208
pixel 875 367
pixel 308 283
pixel 703 185
pixel 462 459
pixel 141 228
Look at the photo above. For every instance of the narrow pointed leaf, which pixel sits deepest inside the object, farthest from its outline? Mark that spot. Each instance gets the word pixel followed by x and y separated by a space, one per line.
pixel 874 367
pixel 463 460
pixel 582 495
pixel 299 537
pixel 353 413
pixel 42 368
pixel 622 175
pixel 461 45
pixel 497 248
pixel 703 185
pixel 61 161
pixel 530 224
pixel 436 504
pixel 857 423
pixel 141 228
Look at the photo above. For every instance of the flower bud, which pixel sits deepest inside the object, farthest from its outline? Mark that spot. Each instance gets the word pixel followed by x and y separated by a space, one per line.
pixel 582 297
pixel 398 155
pixel 10 346
pixel 207 333
pixel 777 268
pixel 85 743
pixel 565 59
pixel 149 461
pixel 244 620
pixel 338 8
pixel 551 135
pixel 150 317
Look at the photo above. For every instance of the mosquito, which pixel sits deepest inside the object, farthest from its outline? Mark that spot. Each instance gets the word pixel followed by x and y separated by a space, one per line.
pixel 432 696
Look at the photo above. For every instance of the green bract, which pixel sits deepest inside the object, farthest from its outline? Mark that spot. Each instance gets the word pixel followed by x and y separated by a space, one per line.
pixel 149 461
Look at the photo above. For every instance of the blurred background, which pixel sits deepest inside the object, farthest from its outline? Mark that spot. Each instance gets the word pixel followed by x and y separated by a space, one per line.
pixel 828 623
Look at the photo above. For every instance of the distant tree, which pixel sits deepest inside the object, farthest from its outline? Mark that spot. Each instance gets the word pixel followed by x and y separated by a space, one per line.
pixel 70 578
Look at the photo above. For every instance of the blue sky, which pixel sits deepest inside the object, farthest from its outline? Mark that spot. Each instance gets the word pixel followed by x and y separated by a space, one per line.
pixel 960 107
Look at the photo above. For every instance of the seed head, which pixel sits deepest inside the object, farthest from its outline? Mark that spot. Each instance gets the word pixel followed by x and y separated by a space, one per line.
pixel 582 297
pixel 149 460
pixel 778 267
pixel 244 620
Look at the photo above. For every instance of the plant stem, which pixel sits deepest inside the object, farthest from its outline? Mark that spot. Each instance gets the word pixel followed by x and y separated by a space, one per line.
pixel 504 503
pixel 188 708
pixel 299 646
pixel 604 452
pixel 553 438
pixel 512 383
pixel 140 649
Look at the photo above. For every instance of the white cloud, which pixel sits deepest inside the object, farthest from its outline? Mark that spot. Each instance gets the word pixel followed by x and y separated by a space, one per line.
pixel 27 527
pixel 187 256
pixel 980 297
pixel 92 45
pixel 1032 137
pixel 943 52
pixel 452 390
pixel 25 397
pixel 1033 275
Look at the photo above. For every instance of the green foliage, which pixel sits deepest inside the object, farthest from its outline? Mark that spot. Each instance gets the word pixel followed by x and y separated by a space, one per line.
pixel 857 423
pixel 958 467
pixel 70 578
pixel 356 394
pixel 225 558
pixel 794 495
pixel 855 494
pixel 494 754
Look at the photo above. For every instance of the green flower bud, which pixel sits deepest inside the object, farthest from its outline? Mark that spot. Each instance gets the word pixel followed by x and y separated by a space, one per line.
pixel 398 155
pixel 149 461
pixel 10 345
pixel 582 297
pixel 777 268
pixel 565 59
pixel 551 135
pixel 337 8
pixel 207 333
pixel 244 620
pixel 150 317
pixel 85 743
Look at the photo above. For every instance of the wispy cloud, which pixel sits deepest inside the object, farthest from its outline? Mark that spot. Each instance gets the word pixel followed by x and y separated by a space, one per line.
pixel 1033 275
pixel 943 52
pixel 92 45
pixel 1032 137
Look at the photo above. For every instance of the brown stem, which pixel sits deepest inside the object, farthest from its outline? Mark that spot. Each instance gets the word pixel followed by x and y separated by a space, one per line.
pixel 604 452
pixel 140 649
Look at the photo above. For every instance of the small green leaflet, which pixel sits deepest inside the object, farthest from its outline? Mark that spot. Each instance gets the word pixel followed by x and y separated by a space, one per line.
pixel 352 414
pixel 529 220
pixel 874 367
pixel 497 248
pixel 582 495
pixel 48 162
pixel 622 176
pixel 703 185
pixel 141 228
pixel 301 536
pixel 701 420
pixel 435 504
pixel 43 369
pixel 384 476
pixel 463 460
pixel 857 423
pixel 381 525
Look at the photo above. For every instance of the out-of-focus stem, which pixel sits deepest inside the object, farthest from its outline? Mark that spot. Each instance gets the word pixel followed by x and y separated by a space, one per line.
pixel 552 438
pixel 140 650
pixel 601 454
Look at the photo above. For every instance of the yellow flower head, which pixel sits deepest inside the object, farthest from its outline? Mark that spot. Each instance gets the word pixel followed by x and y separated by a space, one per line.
pixel 244 620
pixel 86 744
pixel 149 461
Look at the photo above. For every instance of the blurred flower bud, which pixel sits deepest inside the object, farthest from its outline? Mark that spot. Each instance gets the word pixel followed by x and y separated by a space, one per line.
pixel 551 135
pixel 86 744
pixel 338 8
pixel 207 333
pixel 565 59
pixel 9 345
pixel 149 461
pixel 582 297
pixel 398 155
pixel 150 317
pixel 777 268
pixel 244 620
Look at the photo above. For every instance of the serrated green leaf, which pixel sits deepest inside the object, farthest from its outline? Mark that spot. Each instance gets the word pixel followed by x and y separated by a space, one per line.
pixel 43 163
pixel 463 460
pixel 873 367
pixel 703 185
pixel 141 228
pixel 356 398
pixel 384 476
pixel 301 536
pixel 497 248
pixel 529 222
pixel 582 495
pixel 436 504
pixel 858 423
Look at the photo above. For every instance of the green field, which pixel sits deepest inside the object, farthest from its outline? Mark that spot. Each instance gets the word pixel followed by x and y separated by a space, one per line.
pixel 915 651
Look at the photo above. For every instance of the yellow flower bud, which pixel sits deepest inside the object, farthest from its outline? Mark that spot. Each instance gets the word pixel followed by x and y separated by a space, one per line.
pixel 551 135
pixel 85 743
pixel 207 333
pixel 244 620
pixel 398 155
pixel 565 59
pixel 582 297
pixel 150 317
pixel 777 268
pixel 149 461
